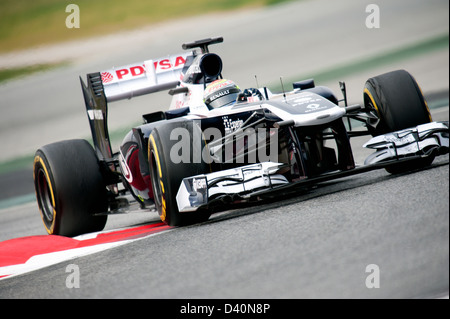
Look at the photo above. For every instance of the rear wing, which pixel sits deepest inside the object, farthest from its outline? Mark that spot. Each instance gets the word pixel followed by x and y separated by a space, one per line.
pixel 134 80
pixel 152 75
pixel 145 77
pixel 124 83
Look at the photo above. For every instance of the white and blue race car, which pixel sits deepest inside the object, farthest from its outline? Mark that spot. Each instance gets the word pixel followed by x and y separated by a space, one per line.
pixel 218 144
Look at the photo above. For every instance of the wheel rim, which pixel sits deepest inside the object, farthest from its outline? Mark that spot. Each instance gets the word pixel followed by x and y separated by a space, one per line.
pixel 44 196
pixel 374 118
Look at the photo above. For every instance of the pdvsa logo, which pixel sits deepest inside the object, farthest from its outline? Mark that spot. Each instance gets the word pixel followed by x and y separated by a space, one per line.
pixel 134 71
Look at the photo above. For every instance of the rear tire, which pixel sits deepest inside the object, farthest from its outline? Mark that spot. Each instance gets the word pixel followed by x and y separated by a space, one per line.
pixel 166 176
pixel 396 100
pixel 69 188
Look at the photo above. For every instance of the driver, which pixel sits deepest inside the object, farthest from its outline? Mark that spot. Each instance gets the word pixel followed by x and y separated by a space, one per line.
pixel 221 93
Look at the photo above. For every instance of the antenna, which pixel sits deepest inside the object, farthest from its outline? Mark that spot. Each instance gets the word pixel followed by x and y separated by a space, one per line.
pixel 265 88
pixel 282 87
pixel 257 84
pixel 344 93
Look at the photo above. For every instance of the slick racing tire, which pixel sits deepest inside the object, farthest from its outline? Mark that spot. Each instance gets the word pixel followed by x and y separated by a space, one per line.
pixel 69 188
pixel 167 173
pixel 397 102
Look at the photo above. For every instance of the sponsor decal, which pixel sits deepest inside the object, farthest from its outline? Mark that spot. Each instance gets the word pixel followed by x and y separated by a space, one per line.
pixel 123 164
pixel 95 114
pixel 107 77
pixel 313 106
pixel 310 103
pixel 134 71
pixel 220 94
pixel 231 125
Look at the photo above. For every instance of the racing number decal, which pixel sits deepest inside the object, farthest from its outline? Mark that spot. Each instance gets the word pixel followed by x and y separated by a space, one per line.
pixel 39 160
pixel 163 200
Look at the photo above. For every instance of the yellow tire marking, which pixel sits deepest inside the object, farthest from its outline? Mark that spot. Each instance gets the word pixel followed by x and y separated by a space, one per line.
pixel 373 101
pixel 163 213
pixel 426 104
pixel 163 200
pixel 38 159
pixel 157 155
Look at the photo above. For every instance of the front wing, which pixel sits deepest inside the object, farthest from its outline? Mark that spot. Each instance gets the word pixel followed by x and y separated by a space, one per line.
pixel 257 180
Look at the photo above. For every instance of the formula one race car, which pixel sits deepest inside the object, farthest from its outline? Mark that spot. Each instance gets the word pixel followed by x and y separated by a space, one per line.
pixel 219 145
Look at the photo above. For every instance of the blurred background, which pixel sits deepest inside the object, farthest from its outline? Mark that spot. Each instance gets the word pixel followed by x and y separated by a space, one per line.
pixel 25 24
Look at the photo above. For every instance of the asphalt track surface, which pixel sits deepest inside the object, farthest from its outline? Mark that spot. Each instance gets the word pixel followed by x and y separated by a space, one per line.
pixel 314 245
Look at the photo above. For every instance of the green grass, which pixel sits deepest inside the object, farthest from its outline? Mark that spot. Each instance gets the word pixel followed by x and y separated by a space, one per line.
pixel 26 23
pixel 20 163
pixel 8 74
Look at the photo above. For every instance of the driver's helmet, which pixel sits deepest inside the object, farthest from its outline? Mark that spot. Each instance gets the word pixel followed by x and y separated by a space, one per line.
pixel 220 93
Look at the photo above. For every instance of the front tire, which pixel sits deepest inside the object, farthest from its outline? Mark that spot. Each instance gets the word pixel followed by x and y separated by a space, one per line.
pixel 396 99
pixel 69 188
pixel 166 175
pixel 397 102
